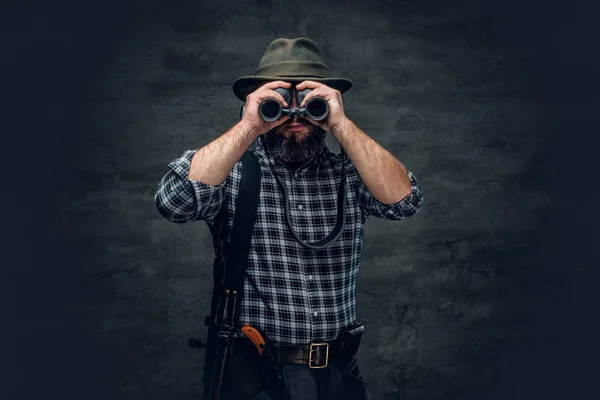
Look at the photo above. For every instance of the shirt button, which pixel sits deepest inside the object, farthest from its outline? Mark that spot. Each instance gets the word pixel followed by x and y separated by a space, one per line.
pixel 315 313
pixel 300 206
pixel 310 277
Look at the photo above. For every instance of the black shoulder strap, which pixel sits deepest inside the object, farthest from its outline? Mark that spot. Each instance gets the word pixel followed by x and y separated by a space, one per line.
pixel 243 226
pixel 231 277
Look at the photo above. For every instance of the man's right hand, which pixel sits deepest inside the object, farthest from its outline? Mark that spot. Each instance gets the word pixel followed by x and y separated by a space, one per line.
pixel 251 120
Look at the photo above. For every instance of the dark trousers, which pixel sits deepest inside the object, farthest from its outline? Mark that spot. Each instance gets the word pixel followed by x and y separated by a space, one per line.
pixel 243 381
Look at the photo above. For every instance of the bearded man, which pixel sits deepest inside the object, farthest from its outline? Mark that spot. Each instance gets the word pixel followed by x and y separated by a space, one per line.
pixel 299 289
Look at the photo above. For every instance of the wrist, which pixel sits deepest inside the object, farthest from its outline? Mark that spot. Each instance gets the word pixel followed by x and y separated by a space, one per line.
pixel 341 126
pixel 247 130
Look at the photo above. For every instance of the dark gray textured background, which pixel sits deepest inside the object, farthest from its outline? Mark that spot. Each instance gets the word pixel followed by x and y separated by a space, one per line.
pixel 487 293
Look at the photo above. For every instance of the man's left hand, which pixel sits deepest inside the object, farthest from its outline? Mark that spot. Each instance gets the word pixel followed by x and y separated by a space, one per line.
pixel 333 98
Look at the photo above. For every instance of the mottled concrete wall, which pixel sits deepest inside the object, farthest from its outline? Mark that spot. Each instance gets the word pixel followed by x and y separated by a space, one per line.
pixel 444 295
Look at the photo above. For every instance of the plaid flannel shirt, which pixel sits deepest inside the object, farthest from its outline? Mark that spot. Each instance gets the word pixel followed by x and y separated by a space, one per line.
pixel 299 295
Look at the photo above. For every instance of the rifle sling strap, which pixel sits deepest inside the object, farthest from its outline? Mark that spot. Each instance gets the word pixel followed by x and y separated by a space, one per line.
pixel 243 226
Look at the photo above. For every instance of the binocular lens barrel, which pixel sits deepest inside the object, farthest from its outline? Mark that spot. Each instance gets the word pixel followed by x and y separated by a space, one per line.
pixel 317 108
pixel 269 110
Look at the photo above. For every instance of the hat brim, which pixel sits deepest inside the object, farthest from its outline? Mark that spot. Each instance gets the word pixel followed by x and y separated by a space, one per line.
pixel 245 85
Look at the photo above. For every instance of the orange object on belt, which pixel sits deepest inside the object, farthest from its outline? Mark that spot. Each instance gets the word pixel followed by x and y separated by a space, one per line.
pixel 255 337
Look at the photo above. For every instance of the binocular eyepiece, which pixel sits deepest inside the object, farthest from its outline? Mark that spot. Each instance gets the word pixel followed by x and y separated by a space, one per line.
pixel 270 109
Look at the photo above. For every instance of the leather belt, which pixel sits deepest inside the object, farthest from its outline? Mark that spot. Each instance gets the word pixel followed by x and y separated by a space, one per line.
pixel 315 355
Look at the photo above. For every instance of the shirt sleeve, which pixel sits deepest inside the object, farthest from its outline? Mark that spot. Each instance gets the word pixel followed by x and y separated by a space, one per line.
pixel 403 209
pixel 181 200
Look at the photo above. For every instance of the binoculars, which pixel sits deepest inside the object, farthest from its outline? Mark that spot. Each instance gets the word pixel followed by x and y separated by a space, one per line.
pixel 270 109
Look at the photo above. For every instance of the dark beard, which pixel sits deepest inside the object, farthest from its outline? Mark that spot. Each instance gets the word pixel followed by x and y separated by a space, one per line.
pixel 292 152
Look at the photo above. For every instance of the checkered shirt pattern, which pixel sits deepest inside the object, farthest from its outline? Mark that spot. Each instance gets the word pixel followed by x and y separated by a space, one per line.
pixel 296 295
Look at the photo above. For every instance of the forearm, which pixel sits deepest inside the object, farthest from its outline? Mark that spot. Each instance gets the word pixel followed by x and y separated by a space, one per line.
pixel 385 177
pixel 212 163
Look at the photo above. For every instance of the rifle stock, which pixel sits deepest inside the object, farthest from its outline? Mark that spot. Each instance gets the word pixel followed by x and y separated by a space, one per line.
pixel 224 342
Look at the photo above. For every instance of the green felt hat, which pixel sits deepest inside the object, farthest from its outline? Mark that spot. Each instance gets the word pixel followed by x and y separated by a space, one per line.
pixel 291 60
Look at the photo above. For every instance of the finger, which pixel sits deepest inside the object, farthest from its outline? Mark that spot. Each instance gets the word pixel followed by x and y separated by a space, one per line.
pixel 309 84
pixel 272 93
pixel 316 92
pixel 265 94
pixel 276 84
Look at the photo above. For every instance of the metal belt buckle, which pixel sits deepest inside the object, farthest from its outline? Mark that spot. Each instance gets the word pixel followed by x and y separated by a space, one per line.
pixel 311 350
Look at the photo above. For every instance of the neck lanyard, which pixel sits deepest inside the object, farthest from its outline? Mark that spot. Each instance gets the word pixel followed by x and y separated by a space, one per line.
pixel 341 207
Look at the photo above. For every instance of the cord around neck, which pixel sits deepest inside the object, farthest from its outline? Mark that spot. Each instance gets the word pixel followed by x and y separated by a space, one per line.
pixel 341 206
